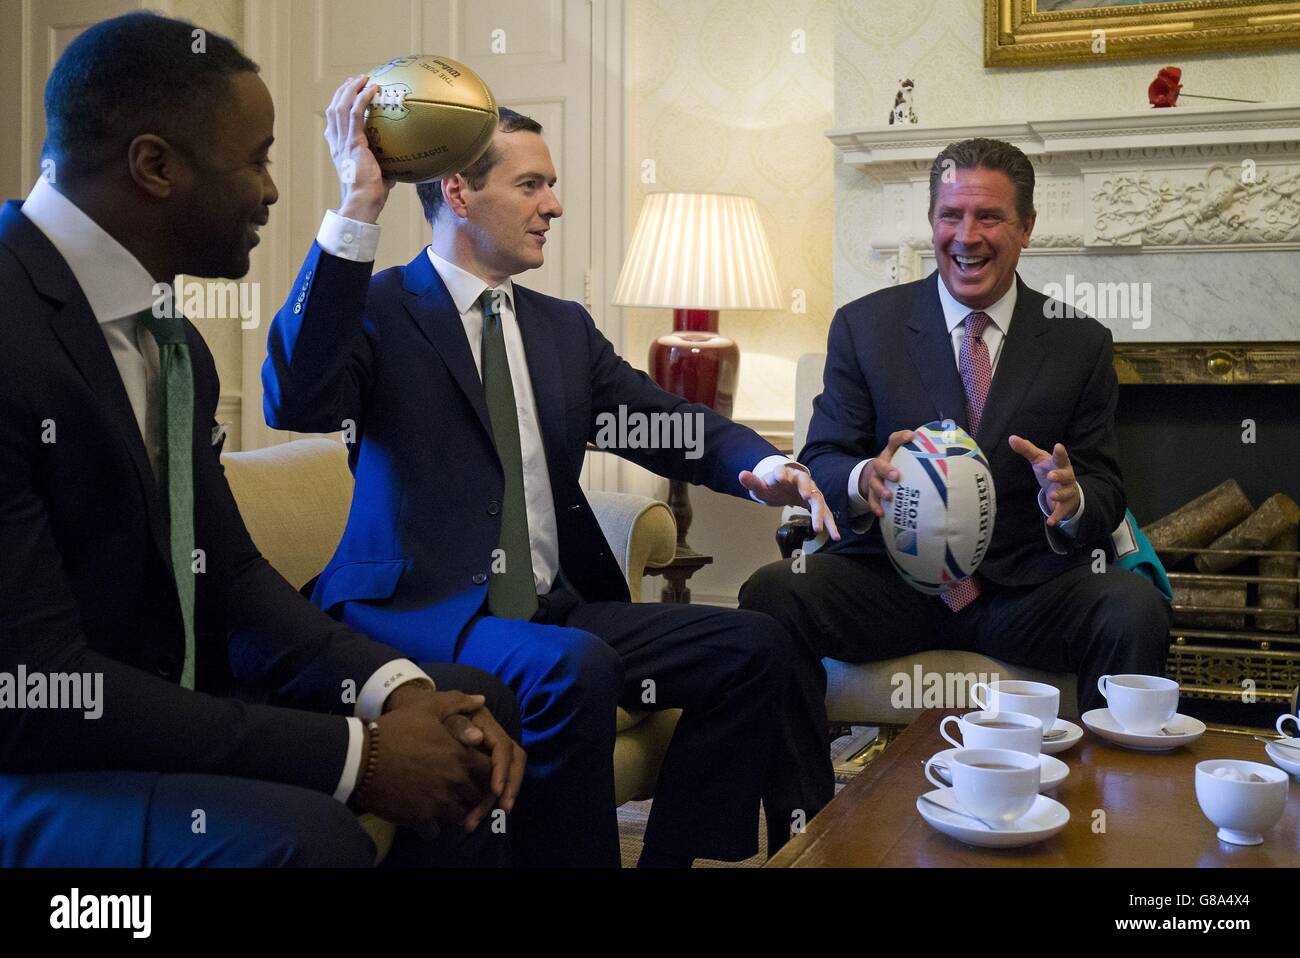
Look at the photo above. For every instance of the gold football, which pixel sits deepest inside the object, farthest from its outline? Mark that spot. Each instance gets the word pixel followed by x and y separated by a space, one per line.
pixel 432 117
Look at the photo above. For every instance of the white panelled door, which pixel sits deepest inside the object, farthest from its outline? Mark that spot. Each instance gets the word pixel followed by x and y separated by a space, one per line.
pixel 33 35
pixel 536 55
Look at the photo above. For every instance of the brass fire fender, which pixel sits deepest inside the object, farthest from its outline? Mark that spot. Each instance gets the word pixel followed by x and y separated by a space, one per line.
pixel 1232 664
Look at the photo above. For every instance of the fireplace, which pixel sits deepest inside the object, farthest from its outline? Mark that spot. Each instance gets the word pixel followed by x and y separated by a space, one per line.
pixel 1189 417
pixel 1184 410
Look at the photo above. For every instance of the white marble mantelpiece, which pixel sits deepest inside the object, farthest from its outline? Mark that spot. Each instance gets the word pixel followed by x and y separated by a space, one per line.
pixel 1209 184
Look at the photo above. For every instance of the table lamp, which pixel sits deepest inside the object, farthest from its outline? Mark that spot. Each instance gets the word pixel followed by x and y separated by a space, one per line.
pixel 696 254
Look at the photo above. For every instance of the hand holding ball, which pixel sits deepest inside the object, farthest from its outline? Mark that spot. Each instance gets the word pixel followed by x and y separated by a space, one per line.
pixel 938 521
pixel 432 117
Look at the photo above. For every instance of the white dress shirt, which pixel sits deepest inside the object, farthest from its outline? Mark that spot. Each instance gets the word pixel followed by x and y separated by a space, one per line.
pixel 355 240
pixel 995 331
pixel 543 535
pixel 118 287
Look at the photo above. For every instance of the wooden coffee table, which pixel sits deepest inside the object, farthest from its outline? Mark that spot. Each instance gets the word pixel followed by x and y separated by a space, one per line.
pixel 1149 800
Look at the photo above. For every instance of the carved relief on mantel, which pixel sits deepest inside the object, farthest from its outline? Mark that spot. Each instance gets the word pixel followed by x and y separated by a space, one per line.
pixel 1224 204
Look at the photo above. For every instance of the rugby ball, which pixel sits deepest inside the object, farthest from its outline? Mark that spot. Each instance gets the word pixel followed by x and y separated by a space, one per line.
pixel 432 117
pixel 938 526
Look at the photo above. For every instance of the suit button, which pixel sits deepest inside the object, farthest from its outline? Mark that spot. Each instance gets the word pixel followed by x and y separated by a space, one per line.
pixel 480 578
pixel 494 508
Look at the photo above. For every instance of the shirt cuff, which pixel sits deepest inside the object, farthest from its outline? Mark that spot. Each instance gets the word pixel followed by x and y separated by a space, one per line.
pixel 352 763
pixel 348 238
pixel 370 703
pixel 1069 526
pixel 858 506
pixel 767 467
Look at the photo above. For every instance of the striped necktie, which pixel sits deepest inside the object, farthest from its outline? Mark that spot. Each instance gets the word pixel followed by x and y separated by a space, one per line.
pixel 976 377
pixel 176 464
pixel 512 591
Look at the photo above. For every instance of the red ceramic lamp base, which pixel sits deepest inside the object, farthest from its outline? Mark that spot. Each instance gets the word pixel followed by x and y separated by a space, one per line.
pixel 698 364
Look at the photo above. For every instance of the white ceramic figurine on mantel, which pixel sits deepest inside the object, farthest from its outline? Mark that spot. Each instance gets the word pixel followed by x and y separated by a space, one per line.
pixel 902 111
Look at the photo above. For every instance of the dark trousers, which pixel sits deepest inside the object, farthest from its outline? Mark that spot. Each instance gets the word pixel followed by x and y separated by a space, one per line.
pixel 123 819
pixel 858 609
pixel 576 662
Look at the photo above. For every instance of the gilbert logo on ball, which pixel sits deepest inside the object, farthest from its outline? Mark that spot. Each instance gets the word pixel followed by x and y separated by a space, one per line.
pixel 432 117
pixel 940 522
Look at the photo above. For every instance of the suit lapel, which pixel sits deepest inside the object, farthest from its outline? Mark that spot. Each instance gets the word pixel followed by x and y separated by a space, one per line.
pixel 544 370
pixel 75 325
pixel 434 311
pixel 930 347
pixel 1022 353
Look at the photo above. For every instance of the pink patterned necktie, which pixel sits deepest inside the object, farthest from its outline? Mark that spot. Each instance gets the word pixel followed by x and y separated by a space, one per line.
pixel 977 377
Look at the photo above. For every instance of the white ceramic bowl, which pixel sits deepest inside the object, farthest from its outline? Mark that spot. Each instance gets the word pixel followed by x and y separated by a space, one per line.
pixel 1243 811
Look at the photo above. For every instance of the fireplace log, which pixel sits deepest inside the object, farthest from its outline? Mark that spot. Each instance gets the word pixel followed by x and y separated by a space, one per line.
pixel 1202 520
pixel 1228 594
pixel 1277 514
pixel 1273 596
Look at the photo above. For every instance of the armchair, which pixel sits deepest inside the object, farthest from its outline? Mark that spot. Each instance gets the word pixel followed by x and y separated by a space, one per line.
pixel 295 497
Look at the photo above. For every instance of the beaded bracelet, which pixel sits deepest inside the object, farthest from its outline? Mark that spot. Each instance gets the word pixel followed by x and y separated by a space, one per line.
pixel 372 759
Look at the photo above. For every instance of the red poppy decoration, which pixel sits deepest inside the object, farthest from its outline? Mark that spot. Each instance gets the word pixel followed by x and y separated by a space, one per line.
pixel 1163 90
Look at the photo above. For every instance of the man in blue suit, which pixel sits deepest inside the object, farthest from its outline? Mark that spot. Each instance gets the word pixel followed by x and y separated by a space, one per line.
pixel 471 400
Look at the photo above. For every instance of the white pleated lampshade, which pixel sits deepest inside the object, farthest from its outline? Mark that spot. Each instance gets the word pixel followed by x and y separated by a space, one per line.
pixel 699 251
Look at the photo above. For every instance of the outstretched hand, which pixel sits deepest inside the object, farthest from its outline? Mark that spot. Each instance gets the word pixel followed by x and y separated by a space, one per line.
pixel 1055 476
pixel 793 487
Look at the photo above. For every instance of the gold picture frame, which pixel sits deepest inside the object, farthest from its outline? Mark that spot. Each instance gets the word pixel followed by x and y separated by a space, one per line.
pixel 1018 33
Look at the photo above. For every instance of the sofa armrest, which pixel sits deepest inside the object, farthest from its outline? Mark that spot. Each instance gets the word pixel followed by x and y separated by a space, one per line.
pixel 641 531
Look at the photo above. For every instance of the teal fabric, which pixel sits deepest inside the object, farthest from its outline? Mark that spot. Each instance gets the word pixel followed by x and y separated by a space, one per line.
pixel 1139 556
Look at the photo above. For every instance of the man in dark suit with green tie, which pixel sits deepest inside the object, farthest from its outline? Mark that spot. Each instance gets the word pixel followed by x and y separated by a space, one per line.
pixel 123 558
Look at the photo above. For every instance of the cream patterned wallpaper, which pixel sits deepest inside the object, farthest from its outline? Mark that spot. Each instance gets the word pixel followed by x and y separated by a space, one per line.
pixel 938 44
pixel 726 97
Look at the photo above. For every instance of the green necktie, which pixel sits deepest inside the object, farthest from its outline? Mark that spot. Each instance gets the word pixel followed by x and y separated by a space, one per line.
pixel 512 592
pixel 176 463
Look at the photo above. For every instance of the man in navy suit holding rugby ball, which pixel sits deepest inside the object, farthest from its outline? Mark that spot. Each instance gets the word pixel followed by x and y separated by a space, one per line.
pixel 973 343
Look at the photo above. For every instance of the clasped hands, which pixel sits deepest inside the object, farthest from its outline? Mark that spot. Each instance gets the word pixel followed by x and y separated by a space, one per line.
pixel 443 761
pixel 1053 471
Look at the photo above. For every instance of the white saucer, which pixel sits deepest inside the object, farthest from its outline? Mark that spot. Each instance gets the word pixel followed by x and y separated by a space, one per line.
pixel 1044 819
pixel 1101 722
pixel 1284 758
pixel 1070 739
pixel 1052 771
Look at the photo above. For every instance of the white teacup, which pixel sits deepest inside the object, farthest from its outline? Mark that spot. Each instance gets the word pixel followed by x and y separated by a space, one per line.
pixel 993 784
pixel 1282 720
pixel 1140 703
pixel 1038 699
pixel 1013 730
pixel 1243 810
